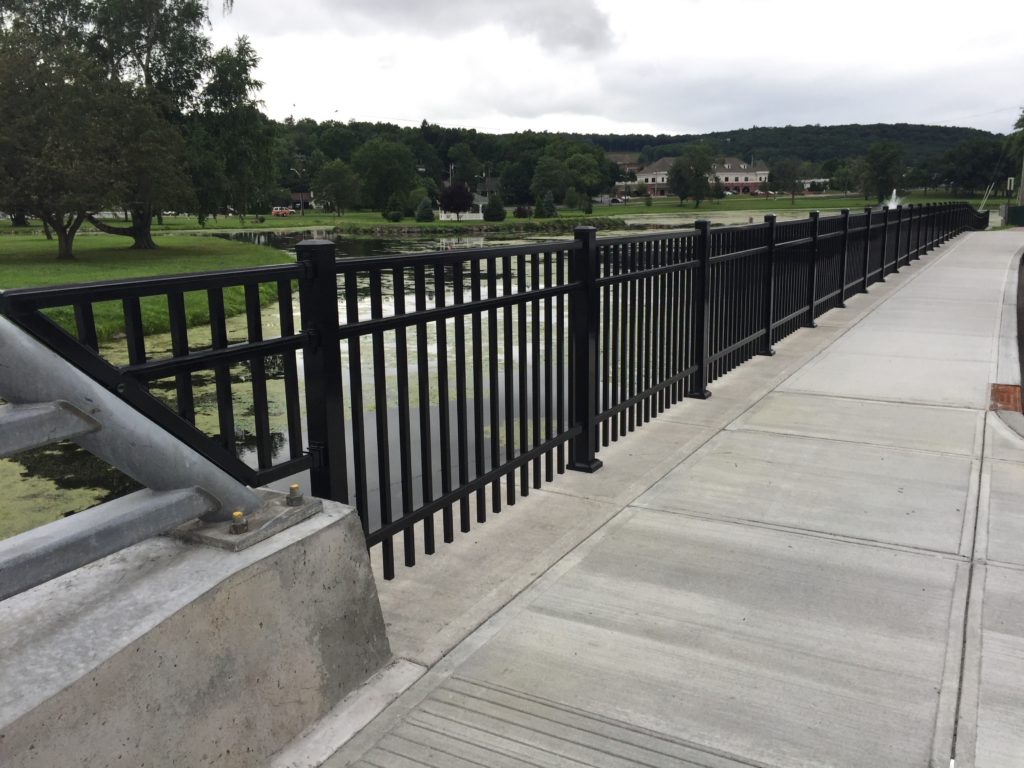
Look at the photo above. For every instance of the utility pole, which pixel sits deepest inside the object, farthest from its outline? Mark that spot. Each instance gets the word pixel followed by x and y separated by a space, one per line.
pixel 1020 187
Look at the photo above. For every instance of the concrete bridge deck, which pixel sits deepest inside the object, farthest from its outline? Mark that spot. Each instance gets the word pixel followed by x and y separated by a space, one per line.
pixel 822 565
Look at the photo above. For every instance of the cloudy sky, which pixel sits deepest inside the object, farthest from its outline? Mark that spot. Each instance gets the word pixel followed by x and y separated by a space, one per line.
pixel 646 66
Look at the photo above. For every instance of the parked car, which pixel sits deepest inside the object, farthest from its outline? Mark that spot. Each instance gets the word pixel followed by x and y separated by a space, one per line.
pixel 614 200
pixel 281 211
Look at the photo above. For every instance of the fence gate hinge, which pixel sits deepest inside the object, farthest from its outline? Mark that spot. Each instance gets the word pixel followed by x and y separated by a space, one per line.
pixel 318 455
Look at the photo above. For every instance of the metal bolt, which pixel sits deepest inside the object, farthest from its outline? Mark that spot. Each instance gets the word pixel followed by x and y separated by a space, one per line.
pixel 238 522
pixel 294 498
pixel 122 388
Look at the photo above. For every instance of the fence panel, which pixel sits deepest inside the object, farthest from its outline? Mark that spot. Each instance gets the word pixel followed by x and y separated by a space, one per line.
pixel 647 348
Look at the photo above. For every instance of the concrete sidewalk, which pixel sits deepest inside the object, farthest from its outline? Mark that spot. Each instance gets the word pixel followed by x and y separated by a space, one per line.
pixel 823 565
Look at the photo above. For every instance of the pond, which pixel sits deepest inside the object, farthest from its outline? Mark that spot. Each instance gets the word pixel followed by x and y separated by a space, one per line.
pixel 353 246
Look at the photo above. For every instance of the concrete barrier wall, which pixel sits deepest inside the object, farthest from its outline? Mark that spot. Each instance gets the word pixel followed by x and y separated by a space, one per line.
pixel 169 653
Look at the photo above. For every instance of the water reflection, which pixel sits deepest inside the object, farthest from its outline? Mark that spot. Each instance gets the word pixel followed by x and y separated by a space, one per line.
pixel 354 246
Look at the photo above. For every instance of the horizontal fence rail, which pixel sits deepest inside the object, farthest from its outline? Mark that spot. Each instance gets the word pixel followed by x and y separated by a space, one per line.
pixel 432 390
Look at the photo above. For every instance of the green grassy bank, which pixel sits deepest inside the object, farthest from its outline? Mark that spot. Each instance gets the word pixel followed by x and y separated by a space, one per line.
pixel 30 261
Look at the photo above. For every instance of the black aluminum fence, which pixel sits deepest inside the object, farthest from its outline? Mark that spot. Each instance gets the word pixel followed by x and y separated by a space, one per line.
pixel 431 390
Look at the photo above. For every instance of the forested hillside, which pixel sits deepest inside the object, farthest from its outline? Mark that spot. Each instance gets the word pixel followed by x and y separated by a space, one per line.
pixel 810 143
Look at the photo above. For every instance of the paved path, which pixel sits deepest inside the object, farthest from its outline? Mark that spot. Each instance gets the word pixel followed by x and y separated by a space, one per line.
pixel 823 565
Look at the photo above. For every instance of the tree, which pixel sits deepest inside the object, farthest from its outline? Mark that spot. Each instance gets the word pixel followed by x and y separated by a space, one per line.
pixel 337 185
pixel 230 142
pixel 494 208
pixel 456 198
pixel 545 208
pixel 688 175
pixel 842 178
pixel 158 53
pixel 976 163
pixel 860 177
pixel 549 176
pixel 465 165
pixel 785 177
pixel 583 174
pixel 53 163
pixel 152 154
pixel 159 50
pixel 515 182
pixel 424 210
pixel 1015 148
pixel 387 168
pixel 884 168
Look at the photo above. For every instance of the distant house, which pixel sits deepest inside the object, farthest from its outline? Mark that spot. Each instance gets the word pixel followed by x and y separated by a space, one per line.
pixel 628 162
pixel 302 199
pixel 739 175
pixel 653 176
pixel 489 185
pixel 816 185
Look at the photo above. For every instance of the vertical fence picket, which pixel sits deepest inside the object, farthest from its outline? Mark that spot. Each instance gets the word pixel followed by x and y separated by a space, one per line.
pixel 425 407
pixel 812 270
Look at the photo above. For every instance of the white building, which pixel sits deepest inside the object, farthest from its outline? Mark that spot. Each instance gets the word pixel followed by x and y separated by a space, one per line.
pixel 739 175
pixel 735 175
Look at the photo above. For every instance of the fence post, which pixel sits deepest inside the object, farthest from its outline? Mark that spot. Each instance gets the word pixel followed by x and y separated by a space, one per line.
pixel 845 213
pixel 899 229
pixel 885 242
pixel 584 323
pixel 929 219
pixel 909 233
pixel 920 210
pixel 321 362
pixel 768 286
pixel 867 248
pixel 812 271
pixel 702 301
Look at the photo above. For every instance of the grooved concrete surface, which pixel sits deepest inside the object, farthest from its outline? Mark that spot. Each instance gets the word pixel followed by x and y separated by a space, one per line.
pixel 822 565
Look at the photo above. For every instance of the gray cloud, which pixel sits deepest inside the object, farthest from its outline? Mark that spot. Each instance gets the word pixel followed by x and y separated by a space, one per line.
pixel 697 102
pixel 556 24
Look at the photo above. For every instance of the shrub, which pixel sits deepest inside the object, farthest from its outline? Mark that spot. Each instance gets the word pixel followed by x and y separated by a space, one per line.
pixel 494 209
pixel 522 212
pixel 545 208
pixel 587 205
pixel 395 206
pixel 424 211
pixel 648 201
pixel 412 200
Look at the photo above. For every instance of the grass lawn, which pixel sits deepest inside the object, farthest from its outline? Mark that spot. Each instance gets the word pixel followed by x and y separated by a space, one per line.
pixel 30 261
